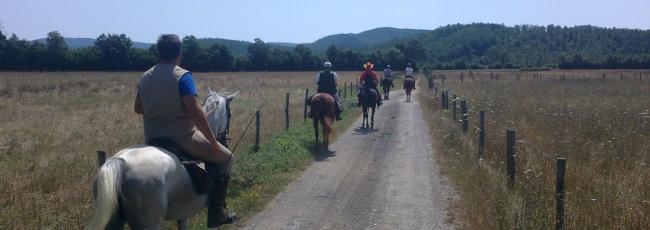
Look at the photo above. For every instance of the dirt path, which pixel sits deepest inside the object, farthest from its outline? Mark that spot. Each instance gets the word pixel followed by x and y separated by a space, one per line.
pixel 381 179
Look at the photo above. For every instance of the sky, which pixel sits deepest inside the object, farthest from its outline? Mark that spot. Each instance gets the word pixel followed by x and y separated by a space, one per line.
pixel 298 21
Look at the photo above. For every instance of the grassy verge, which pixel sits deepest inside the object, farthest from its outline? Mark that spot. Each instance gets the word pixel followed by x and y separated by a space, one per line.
pixel 598 125
pixel 259 176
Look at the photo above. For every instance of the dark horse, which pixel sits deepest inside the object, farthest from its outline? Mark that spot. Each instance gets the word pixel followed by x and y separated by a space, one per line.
pixel 322 110
pixel 368 100
pixel 386 83
pixel 409 85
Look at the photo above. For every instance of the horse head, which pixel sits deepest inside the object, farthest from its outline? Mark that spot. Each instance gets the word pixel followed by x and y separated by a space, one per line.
pixel 216 107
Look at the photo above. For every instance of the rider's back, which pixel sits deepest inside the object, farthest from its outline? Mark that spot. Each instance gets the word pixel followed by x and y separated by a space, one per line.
pixel 327 82
pixel 164 114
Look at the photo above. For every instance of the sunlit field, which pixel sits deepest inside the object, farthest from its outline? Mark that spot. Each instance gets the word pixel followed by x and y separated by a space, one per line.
pixel 598 120
pixel 52 124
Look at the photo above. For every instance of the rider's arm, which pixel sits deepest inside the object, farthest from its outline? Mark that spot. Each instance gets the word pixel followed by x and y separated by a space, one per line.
pixel 201 121
pixel 137 106
pixel 188 94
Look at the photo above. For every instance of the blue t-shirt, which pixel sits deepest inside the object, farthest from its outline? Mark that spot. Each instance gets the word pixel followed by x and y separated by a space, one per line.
pixel 186 85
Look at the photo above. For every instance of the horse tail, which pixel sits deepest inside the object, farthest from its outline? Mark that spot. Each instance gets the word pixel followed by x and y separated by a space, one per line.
pixel 107 189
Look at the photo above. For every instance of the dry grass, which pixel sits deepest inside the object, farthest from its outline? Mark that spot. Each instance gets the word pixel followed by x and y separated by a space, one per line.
pixel 51 125
pixel 602 127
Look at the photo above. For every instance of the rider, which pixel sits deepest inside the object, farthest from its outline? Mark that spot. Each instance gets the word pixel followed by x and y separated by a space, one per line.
pixel 368 80
pixel 166 99
pixel 326 82
pixel 409 72
pixel 388 73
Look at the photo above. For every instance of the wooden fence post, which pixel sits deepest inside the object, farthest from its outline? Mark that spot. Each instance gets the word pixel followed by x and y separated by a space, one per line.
pixel 345 89
pixel 286 113
pixel 351 91
pixel 442 99
pixel 304 113
pixel 481 134
pixel 101 158
pixel 621 76
pixel 510 156
pixel 559 194
pixel 453 104
pixel 461 77
pixel 257 131
pixel 463 111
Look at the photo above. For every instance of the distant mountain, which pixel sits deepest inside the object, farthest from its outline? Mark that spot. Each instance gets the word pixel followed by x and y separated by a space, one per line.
pixel 484 45
pixel 238 48
pixel 364 39
pixel 74 43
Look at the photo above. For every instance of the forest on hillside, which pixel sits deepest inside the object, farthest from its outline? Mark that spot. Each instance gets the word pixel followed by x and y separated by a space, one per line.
pixel 472 46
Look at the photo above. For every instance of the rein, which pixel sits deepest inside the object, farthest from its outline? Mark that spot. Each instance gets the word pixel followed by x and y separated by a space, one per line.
pixel 241 137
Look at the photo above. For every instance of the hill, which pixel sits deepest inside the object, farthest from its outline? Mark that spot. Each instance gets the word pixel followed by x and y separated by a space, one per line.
pixel 483 45
pixel 75 43
pixel 364 39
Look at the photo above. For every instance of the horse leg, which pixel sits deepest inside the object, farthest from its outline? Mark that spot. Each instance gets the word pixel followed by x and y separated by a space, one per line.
pixel 372 118
pixel 181 224
pixel 315 120
pixel 327 126
pixel 146 207
pixel 365 118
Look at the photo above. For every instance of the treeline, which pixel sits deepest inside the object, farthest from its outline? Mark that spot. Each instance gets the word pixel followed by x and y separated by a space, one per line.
pixel 477 46
pixel 472 46
pixel 113 52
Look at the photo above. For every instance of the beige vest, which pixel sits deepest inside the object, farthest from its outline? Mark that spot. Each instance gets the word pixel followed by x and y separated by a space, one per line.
pixel 164 113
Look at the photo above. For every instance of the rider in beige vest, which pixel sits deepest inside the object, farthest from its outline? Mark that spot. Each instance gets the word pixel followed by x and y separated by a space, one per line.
pixel 170 112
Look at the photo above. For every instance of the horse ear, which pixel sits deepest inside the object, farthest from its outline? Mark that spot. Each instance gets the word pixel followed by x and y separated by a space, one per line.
pixel 208 88
pixel 232 96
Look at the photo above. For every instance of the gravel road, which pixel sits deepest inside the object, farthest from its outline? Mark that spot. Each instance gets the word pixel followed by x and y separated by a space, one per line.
pixel 380 179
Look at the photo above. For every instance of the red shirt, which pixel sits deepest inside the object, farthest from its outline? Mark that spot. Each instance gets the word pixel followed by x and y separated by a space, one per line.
pixel 374 76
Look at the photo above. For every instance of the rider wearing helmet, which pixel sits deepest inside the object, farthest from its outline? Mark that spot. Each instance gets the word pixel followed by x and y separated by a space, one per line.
pixel 326 82
pixel 368 80
pixel 409 72
pixel 388 76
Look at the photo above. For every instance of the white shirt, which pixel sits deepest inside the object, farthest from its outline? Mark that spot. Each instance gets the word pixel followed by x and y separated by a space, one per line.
pixel 318 76
pixel 409 71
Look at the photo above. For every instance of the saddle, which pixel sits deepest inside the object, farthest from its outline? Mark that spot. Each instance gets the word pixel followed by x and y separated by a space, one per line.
pixel 197 169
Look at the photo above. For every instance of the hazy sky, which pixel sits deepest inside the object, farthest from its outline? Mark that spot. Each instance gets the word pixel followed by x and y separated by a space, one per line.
pixel 296 20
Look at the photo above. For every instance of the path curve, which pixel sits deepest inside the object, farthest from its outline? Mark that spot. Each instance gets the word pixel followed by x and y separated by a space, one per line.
pixel 381 179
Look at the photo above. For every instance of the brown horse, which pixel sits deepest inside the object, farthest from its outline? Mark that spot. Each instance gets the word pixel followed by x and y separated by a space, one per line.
pixel 322 110
pixel 409 85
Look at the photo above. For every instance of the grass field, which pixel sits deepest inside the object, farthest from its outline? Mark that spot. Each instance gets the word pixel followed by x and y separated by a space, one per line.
pixel 51 125
pixel 598 120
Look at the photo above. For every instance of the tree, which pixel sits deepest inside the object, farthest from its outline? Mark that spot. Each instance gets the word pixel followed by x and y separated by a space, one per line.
pixel 307 59
pixel 413 50
pixel 114 51
pixel 258 54
pixel 332 53
pixel 3 47
pixel 56 51
pixel 194 56
pixel 220 58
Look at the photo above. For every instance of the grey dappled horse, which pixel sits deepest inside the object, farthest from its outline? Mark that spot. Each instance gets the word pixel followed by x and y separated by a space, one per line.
pixel 368 101
pixel 386 84
pixel 144 185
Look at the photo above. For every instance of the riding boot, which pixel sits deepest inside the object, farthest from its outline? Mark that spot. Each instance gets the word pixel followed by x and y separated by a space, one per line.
pixel 218 212
pixel 358 100
pixel 338 115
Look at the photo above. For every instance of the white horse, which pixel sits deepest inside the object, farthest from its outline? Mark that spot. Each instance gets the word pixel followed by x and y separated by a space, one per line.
pixel 145 185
